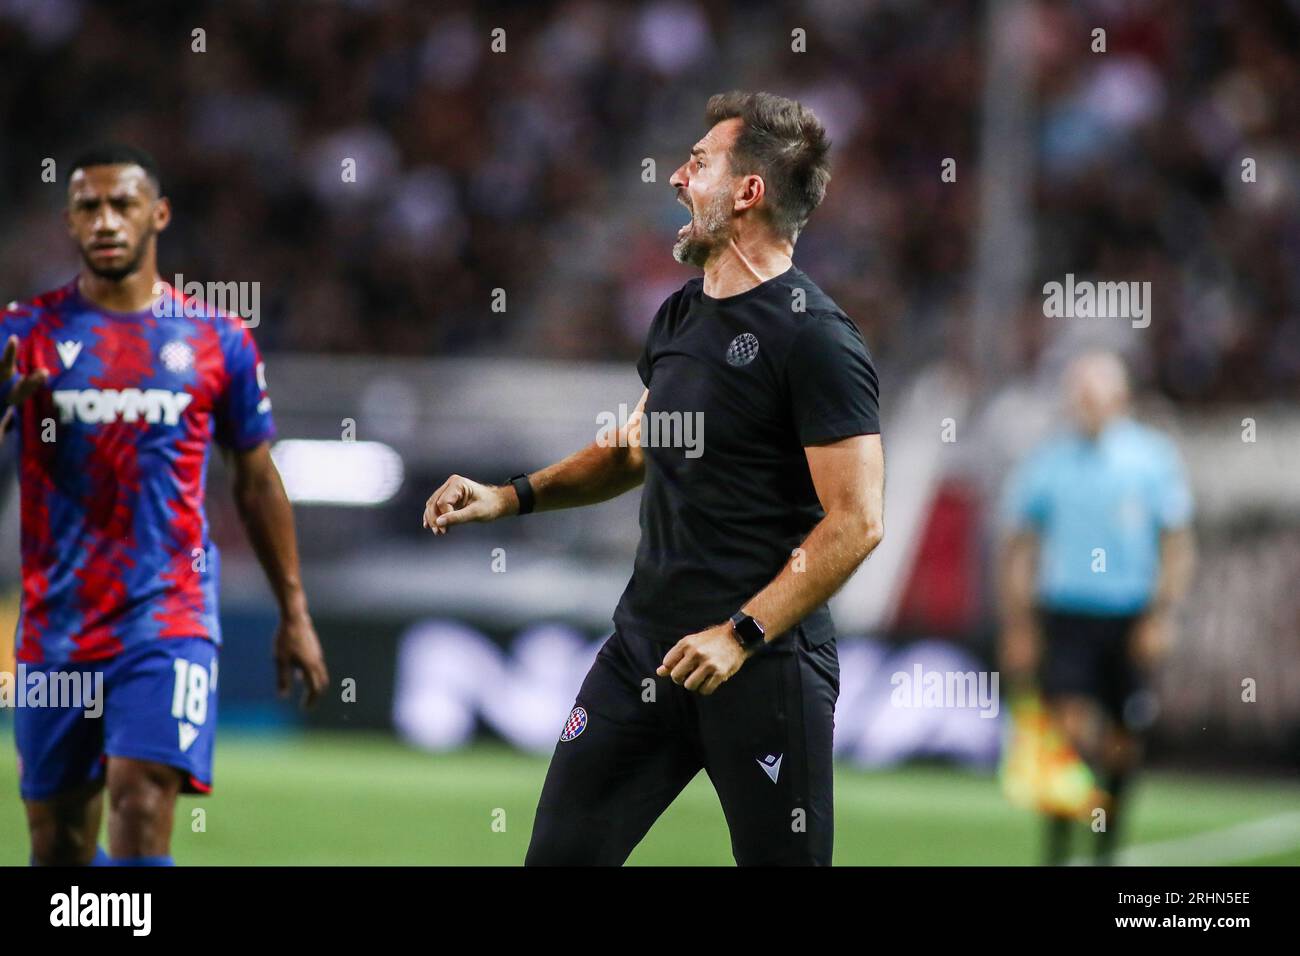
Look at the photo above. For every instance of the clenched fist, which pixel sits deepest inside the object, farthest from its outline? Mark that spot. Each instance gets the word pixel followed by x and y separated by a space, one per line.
pixel 459 500
pixel 704 661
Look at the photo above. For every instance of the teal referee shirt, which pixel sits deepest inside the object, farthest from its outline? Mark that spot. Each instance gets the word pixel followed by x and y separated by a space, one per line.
pixel 1098 508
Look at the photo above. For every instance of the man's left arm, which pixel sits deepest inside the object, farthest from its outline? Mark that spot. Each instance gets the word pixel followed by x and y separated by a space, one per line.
pixel 849 477
pixel 1171 495
pixel 1153 629
pixel 267 517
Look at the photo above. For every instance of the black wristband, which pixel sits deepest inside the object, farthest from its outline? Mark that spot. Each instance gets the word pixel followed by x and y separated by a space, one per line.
pixel 524 489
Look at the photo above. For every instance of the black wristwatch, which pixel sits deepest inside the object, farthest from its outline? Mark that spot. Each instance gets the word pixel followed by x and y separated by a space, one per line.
pixel 524 489
pixel 747 631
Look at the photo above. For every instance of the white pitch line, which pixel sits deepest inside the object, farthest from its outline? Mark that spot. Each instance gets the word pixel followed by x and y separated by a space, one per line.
pixel 1243 841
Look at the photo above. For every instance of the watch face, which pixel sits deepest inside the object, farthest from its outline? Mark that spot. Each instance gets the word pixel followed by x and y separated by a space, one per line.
pixel 749 631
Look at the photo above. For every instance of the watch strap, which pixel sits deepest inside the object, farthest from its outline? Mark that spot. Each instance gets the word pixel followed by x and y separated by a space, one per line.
pixel 524 489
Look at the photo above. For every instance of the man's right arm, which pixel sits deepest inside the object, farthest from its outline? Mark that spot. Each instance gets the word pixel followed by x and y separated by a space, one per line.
pixel 15 387
pixel 603 470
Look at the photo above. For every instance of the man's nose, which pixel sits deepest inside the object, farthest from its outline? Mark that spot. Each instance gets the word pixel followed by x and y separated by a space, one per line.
pixel 678 178
pixel 107 220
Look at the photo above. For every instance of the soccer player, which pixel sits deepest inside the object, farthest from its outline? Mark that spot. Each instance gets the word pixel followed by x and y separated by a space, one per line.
pixel 1098 552
pixel 117 385
pixel 723 656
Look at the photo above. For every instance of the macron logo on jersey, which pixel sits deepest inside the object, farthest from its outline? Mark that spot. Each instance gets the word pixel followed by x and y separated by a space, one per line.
pixel 68 352
pixel 101 406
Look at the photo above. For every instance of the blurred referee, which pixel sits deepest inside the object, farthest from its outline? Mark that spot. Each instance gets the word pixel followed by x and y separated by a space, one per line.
pixel 723 656
pixel 1099 550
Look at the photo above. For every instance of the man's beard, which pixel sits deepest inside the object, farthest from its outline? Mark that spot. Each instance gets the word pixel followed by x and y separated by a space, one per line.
pixel 710 229
pixel 130 265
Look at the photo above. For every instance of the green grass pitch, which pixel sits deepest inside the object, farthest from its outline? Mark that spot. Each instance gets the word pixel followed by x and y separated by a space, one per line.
pixel 321 799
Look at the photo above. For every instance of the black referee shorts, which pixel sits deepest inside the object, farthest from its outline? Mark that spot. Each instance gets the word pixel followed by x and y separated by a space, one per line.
pixel 764 738
pixel 1090 656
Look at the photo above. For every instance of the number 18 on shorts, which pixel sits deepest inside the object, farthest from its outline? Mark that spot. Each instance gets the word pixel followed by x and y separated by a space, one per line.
pixel 155 702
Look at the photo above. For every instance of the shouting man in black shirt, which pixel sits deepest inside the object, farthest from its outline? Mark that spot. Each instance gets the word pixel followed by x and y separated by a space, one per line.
pixel 723 656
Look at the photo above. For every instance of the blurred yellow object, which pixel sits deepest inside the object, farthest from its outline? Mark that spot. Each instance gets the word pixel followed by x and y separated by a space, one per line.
pixel 9 607
pixel 1040 770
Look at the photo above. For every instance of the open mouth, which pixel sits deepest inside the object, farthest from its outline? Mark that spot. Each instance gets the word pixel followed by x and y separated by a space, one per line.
pixel 690 222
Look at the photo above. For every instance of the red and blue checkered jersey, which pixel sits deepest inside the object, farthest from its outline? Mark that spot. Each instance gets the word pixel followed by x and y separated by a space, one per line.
pixel 112 458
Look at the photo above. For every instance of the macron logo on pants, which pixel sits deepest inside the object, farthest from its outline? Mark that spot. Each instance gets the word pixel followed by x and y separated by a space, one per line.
pixel 101 406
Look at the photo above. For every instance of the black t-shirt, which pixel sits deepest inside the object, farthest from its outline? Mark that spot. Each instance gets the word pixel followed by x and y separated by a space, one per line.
pixel 757 376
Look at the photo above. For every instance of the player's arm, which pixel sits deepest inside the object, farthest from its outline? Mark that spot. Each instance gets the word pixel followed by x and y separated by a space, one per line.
pixel 603 470
pixel 1172 503
pixel 1019 638
pixel 15 387
pixel 849 477
pixel 267 517
pixel 1177 560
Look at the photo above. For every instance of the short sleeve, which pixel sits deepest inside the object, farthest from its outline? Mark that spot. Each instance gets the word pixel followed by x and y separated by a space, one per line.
pixel 645 364
pixel 1025 499
pixel 834 392
pixel 243 414
pixel 1173 494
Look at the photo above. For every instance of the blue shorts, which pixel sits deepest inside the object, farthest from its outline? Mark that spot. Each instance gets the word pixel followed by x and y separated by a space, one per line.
pixel 155 702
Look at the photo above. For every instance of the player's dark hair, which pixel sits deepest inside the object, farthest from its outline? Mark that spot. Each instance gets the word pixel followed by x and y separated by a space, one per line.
pixel 784 142
pixel 119 154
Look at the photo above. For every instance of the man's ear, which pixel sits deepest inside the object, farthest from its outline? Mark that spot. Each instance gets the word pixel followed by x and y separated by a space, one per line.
pixel 162 213
pixel 750 191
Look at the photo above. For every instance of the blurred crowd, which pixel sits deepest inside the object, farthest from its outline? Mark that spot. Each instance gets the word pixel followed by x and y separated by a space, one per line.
pixel 1175 158
pixel 525 170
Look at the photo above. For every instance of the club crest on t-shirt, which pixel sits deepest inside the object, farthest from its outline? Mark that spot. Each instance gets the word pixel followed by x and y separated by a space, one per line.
pixel 742 350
